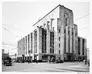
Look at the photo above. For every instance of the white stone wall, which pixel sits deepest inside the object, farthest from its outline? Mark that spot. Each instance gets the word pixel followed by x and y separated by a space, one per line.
pixel 33 47
pixel 38 40
pixel 27 44
pixel 66 39
pixel 75 41
pixel 35 41
pixel 85 48
pixel 70 40
pixel 48 41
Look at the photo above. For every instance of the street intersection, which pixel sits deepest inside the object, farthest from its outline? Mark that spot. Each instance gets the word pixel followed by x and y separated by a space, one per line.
pixel 47 67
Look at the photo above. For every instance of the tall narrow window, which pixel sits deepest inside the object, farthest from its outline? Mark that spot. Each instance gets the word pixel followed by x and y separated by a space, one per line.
pixel 68 30
pixel 64 30
pixel 58 30
pixel 65 21
pixel 83 47
pixel 75 33
pixel 64 40
pixel 59 51
pixel 59 45
pixel 72 31
pixel 78 46
pixel 52 42
pixel 59 38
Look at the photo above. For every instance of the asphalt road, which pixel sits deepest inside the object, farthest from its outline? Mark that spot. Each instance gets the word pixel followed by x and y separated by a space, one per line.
pixel 47 67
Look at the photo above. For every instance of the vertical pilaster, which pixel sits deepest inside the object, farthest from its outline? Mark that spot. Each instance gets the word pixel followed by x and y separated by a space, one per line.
pixel 38 40
pixel 85 47
pixel 30 44
pixel 27 44
pixel 74 40
pixel 48 41
pixel 33 47
pixel 62 42
pixel 70 40
pixel 66 39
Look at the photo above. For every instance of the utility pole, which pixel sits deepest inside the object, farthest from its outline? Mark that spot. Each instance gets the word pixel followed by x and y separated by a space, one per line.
pixel 15 57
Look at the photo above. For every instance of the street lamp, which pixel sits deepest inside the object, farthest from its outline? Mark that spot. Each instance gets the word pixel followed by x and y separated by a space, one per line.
pixel 15 57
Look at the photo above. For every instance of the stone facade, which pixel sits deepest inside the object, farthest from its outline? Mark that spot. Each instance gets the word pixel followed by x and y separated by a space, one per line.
pixel 55 35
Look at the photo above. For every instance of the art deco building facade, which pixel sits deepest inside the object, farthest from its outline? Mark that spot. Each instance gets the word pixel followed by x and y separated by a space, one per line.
pixel 55 35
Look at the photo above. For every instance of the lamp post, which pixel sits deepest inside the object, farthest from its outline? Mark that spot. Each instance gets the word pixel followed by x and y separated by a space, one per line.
pixel 15 57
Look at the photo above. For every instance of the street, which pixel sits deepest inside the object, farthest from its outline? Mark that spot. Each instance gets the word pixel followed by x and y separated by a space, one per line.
pixel 47 67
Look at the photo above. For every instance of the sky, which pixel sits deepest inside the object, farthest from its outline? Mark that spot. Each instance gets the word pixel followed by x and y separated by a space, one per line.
pixel 18 18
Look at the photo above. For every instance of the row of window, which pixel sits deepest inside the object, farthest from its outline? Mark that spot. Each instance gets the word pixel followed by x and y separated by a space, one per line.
pixel 68 31
pixel 79 45
pixel 43 41
pixel 52 42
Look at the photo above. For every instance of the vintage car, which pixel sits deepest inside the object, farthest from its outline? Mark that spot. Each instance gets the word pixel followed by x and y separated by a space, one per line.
pixel 59 61
pixel 7 61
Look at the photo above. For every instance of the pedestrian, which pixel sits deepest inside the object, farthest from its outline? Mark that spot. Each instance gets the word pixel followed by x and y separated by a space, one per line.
pixel 88 63
pixel 28 61
pixel 36 61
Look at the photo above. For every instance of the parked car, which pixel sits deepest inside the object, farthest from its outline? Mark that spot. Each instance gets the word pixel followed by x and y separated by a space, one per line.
pixel 8 61
pixel 52 60
pixel 59 61
pixel 88 62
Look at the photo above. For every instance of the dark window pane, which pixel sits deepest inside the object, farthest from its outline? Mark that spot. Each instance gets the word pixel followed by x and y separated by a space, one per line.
pixel 59 45
pixel 59 38
pixel 58 30
pixel 59 51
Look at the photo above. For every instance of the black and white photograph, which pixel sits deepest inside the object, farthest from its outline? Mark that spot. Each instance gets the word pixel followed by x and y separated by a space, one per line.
pixel 45 36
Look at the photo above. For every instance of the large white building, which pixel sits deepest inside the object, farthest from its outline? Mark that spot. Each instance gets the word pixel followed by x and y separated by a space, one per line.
pixel 55 35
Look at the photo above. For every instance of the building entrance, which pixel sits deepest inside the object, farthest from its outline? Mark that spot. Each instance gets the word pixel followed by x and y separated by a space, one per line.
pixel 69 57
pixel 48 58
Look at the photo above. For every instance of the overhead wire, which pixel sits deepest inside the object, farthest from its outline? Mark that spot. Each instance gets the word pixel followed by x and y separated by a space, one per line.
pixel 15 28
pixel 81 18
pixel 11 32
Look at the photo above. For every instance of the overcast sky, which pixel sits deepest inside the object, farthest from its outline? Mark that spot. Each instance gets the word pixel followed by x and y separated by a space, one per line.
pixel 18 17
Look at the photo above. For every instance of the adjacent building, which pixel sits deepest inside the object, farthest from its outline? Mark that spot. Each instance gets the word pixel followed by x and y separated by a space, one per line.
pixel 54 36
pixel 82 48
pixel 4 55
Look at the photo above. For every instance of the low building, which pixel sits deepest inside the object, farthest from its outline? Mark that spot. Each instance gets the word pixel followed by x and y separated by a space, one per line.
pixel 82 48
pixel 4 55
